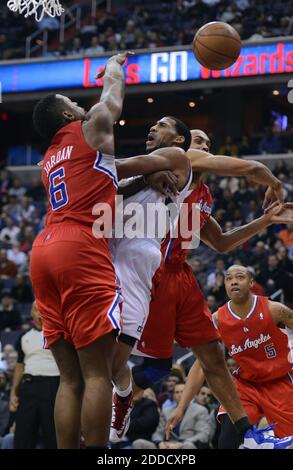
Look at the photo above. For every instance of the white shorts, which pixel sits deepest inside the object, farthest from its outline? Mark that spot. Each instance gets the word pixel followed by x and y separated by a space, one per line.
pixel 136 262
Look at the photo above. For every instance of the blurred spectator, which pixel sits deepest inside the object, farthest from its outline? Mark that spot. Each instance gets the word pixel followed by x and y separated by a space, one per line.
pixel 28 210
pixel 9 233
pixel 231 364
pixel 95 47
pixel 17 189
pixel 286 235
pixel 244 147
pixel 219 267
pixel 270 143
pixel 229 148
pixel 8 269
pixel 144 418
pixel 197 268
pixel 18 257
pixel 10 318
pixel 218 289
pixel 192 432
pixel 166 398
pixel 4 403
pixel 212 303
pixel 76 48
pixel 7 350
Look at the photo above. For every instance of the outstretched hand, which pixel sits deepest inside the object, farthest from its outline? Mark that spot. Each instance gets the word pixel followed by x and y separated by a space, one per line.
pixel 272 195
pixel 119 58
pixel 280 213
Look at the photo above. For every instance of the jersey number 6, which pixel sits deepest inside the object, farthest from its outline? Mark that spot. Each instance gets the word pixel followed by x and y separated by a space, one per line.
pixel 57 189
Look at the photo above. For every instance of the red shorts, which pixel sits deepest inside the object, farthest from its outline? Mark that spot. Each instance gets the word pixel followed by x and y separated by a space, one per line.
pixel 272 400
pixel 75 285
pixel 178 311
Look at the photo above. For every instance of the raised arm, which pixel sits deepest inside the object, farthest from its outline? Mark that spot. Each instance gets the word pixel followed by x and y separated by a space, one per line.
pixel 98 126
pixel 228 166
pixel 213 235
pixel 281 314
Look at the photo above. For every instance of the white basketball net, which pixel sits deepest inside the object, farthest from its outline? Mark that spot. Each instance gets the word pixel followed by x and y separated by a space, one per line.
pixel 39 8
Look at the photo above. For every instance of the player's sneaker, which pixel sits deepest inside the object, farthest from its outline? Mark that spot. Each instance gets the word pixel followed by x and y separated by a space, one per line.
pixel 121 409
pixel 263 439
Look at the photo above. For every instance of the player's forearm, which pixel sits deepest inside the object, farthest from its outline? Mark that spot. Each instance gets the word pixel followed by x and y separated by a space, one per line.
pixel 261 174
pixel 129 188
pixel 113 89
pixel 141 165
pixel 17 378
pixel 230 166
pixel 239 235
pixel 194 382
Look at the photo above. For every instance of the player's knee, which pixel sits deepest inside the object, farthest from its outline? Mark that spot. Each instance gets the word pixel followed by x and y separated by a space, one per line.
pixel 151 371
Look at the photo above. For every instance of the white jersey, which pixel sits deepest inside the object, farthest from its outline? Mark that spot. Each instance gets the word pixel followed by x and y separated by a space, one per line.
pixel 137 258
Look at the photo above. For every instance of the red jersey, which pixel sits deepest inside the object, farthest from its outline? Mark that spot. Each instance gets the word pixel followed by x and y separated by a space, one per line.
pixel 76 177
pixel 259 347
pixel 172 249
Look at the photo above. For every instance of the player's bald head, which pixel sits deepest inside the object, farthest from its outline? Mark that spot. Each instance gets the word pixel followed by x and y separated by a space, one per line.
pixel 238 268
pixel 200 140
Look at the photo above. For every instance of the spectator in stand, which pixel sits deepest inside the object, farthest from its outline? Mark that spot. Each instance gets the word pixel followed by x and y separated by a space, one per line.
pixel 95 47
pixel 16 256
pixel 272 274
pixel 7 350
pixel 36 191
pixel 166 397
pixel 191 433
pixel 8 269
pixel 76 48
pixel 28 210
pixel 228 148
pixel 286 235
pixel 231 364
pixel 270 143
pixel 218 289
pixel 4 403
pixel 198 270
pixel 144 418
pixel 220 267
pixel 244 147
pixel 10 318
pixel 212 303
pixel 5 181
pixel 9 233
pixel 243 194
pixel 17 189
pixel 26 238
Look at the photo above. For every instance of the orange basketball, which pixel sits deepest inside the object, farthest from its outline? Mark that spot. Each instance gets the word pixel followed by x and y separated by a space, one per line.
pixel 216 45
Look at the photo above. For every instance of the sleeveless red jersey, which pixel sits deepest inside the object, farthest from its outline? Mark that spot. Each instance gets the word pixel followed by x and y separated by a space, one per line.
pixel 172 249
pixel 76 177
pixel 258 346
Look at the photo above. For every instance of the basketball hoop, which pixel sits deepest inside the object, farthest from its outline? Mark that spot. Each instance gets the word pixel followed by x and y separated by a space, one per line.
pixel 39 8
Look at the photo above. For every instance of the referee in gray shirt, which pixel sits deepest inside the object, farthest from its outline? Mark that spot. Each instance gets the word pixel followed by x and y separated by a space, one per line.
pixel 34 388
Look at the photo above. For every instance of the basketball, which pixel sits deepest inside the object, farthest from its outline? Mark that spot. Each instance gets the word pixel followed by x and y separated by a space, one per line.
pixel 216 45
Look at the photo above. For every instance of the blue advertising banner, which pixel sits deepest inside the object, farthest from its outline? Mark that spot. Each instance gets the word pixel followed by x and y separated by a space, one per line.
pixel 156 67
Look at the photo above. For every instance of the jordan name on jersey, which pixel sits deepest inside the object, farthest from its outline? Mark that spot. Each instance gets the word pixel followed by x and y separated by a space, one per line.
pixel 249 344
pixel 61 155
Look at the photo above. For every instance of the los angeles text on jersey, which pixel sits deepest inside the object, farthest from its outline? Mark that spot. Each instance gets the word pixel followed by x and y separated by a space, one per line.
pixel 148 459
pixel 254 343
pixel 61 155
